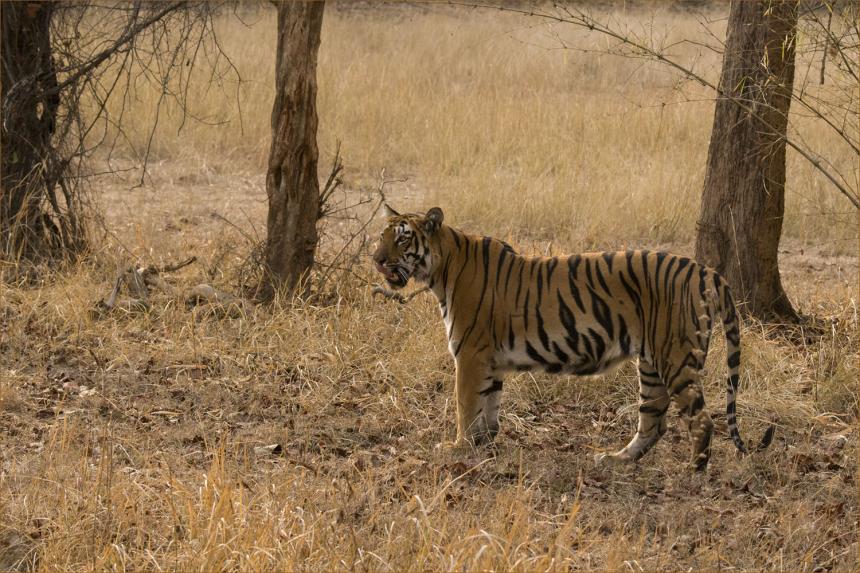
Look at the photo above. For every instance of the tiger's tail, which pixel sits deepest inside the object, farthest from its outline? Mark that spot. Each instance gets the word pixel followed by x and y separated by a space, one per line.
pixel 733 359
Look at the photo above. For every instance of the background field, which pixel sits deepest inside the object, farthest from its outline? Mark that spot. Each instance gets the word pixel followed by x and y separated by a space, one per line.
pixel 302 437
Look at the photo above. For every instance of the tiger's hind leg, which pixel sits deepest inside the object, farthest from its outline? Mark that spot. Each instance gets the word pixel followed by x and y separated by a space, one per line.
pixel 686 391
pixel 653 403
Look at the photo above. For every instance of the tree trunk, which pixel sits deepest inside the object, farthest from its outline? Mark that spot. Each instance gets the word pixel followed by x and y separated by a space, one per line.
pixel 291 179
pixel 740 221
pixel 29 107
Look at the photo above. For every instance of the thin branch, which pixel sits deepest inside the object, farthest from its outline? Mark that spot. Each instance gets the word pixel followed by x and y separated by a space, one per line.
pixel 396 296
pixel 128 36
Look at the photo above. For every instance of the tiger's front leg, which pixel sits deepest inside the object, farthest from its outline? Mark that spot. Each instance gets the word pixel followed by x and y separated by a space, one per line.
pixel 478 395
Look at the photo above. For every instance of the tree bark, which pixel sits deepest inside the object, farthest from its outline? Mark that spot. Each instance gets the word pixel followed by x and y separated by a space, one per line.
pixel 740 221
pixel 29 108
pixel 291 180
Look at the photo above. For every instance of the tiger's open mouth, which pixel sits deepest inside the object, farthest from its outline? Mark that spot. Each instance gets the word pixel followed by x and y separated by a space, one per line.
pixel 395 277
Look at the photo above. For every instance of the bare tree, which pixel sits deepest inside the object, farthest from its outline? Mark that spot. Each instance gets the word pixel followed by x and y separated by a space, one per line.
pixel 291 179
pixel 31 102
pixel 62 63
pixel 743 200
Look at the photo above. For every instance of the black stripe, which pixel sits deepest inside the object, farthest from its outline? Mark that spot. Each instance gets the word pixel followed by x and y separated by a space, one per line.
pixel 560 354
pixel 671 264
pixel 455 237
pixel 485 254
pixel 645 272
pixel 634 296
pixel 445 271
pixel 733 382
pixel 602 313
pixel 459 274
pixel 544 339
pixel 601 281
pixel 631 273
pixel 520 281
pixel 551 264
pixel 652 410
pixel 682 386
pixel 734 335
pixel 496 386
pixel 697 405
pixel 661 257
pixel 623 336
pixel 682 262
pixel 501 261
pixel 730 409
pixel 508 278
pixel 534 354
pixel 608 257
pixel 588 273
pixel 572 265
pixel 569 324
pixel 539 266
pixel 689 274
pixel 734 359
pixel 526 313
pixel 689 361
pixel 492 325
pixel 599 344
pixel 694 317
pixel 589 350
pixel 585 368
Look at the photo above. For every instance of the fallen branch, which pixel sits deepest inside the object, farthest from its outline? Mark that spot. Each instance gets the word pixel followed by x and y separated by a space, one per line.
pixel 111 301
pixel 134 283
pixel 150 270
pixel 151 278
pixel 138 282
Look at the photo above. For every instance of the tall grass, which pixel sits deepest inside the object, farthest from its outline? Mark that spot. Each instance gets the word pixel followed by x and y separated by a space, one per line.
pixel 497 124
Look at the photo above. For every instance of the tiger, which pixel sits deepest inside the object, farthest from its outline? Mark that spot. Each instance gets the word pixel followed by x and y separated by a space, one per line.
pixel 582 314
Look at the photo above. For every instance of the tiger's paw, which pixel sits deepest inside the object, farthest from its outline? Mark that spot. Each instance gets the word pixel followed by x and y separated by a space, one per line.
pixel 457 445
pixel 607 459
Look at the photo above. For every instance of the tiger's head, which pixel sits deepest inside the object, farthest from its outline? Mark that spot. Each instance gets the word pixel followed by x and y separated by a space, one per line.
pixel 404 247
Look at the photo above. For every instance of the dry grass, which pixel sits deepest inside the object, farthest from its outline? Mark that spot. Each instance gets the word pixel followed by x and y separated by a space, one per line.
pixel 483 108
pixel 139 442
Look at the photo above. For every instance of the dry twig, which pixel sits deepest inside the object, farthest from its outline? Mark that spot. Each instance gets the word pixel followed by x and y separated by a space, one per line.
pixel 396 296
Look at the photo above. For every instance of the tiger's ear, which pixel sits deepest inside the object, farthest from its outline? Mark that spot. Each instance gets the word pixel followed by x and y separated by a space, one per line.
pixel 389 212
pixel 433 220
